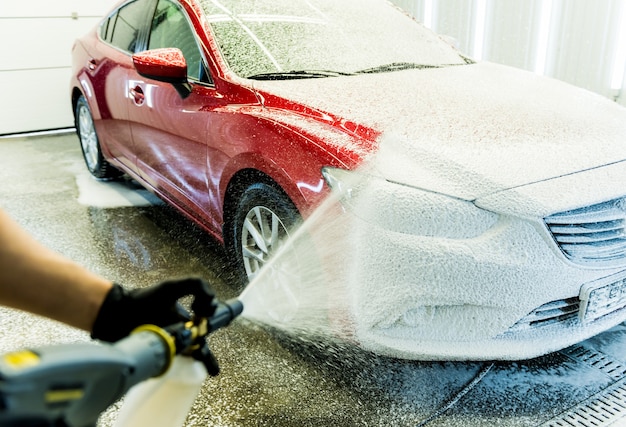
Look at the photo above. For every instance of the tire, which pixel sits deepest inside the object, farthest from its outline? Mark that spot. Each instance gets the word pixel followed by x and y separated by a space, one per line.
pixel 262 222
pixel 90 144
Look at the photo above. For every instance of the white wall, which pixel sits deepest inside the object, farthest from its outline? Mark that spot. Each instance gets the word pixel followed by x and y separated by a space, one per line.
pixel 37 38
pixel 581 42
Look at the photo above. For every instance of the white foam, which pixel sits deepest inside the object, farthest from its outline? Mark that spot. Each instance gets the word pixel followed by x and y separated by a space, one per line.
pixel 415 274
pixel 111 194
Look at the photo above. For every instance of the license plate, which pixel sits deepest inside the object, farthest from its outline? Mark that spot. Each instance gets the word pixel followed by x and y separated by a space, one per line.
pixel 602 297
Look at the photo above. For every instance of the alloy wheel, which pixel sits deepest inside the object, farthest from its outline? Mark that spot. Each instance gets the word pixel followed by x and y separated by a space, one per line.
pixel 262 236
pixel 88 137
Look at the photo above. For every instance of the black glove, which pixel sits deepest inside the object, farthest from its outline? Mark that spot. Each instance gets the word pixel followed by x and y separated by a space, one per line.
pixel 124 310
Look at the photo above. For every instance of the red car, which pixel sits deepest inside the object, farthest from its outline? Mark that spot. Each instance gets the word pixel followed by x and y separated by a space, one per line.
pixel 492 224
pixel 194 130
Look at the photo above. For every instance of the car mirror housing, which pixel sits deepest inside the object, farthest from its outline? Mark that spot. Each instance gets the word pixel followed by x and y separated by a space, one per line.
pixel 165 65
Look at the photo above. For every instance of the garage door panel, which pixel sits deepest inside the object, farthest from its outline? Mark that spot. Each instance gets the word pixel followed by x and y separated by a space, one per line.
pixel 56 8
pixel 35 100
pixel 57 34
pixel 35 59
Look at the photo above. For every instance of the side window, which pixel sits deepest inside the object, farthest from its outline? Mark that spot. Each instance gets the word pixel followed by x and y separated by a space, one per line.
pixel 106 28
pixel 123 29
pixel 170 28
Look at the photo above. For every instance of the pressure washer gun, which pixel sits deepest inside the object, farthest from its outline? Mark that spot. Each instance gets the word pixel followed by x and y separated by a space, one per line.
pixel 70 385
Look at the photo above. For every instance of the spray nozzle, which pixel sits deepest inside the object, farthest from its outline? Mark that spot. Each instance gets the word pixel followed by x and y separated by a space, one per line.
pixel 190 337
pixel 224 313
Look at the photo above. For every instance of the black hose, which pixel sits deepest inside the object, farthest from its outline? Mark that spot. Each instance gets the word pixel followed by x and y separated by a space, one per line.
pixel 484 370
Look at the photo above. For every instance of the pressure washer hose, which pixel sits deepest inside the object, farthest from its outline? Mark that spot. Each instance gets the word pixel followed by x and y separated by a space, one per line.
pixel 484 370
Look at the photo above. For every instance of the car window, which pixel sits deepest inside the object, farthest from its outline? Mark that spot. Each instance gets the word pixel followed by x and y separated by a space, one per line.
pixel 106 28
pixel 123 28
pixel 170 28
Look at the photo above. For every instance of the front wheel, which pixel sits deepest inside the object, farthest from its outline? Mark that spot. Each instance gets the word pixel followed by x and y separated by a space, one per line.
pixel 262 223
pixel 89 143
pixel 260 237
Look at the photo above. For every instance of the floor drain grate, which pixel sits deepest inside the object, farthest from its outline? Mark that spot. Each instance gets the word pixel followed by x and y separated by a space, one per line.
pixel 602 362
pixel 603 409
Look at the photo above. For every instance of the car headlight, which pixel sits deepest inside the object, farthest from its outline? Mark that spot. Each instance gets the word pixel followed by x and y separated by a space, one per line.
pixel 405 209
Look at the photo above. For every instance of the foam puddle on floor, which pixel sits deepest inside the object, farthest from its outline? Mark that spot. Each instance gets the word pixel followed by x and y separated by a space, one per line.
pixel 112 194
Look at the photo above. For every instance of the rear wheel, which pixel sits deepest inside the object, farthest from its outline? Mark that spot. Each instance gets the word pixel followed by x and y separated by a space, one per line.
pixel 89 143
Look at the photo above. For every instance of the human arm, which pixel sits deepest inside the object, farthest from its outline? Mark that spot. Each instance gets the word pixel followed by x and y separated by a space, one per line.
pixel 36 279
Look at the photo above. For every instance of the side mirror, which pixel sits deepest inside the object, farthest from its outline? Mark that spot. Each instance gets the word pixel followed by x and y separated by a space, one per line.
pixel 165 65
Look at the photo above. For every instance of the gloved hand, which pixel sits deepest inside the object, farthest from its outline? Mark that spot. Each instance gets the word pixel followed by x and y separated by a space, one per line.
pixel 123 310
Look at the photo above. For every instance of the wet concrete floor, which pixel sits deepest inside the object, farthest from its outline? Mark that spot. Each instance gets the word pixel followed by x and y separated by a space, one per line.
pixel 268 378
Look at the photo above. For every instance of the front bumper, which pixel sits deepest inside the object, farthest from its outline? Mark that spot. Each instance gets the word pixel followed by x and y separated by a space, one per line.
pixel 444 298
pixel 435 277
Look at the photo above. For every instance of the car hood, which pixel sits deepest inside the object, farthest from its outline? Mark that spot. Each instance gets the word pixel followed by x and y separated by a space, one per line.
pixel 473 130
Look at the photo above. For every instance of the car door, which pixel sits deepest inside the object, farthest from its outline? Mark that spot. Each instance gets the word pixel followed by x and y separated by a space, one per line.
pixel 169 129
pixel 121 34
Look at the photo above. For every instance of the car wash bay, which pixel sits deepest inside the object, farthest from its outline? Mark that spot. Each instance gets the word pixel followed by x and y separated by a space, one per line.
pixel 269 378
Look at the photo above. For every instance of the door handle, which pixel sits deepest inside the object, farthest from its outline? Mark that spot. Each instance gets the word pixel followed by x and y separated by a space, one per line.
pixel 137 94
pixel 92 64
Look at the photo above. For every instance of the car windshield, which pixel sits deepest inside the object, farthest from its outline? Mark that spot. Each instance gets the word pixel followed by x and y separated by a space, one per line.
pixel 276 39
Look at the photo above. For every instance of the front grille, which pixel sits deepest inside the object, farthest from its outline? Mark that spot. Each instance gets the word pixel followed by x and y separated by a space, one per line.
pixel 592 235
